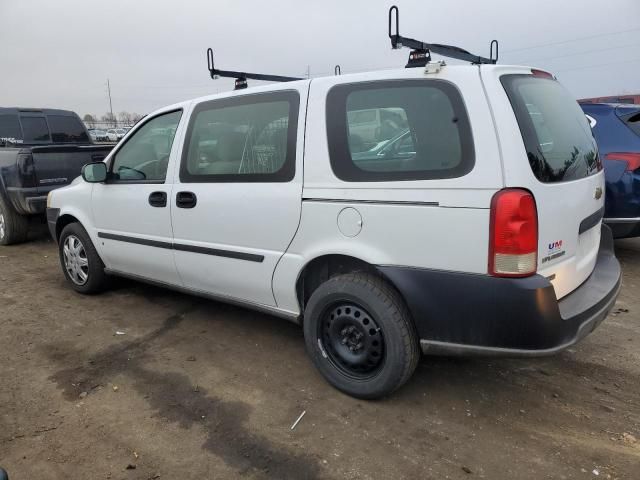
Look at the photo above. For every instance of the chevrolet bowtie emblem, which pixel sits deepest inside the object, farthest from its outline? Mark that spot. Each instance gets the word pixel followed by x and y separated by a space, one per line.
pixel 598 193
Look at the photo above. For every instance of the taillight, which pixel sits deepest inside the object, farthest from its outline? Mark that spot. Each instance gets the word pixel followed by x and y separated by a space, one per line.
pixel 632 159
pixel 513 241
pixel 26 169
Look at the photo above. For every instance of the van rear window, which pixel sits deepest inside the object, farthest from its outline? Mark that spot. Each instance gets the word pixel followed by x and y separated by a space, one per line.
pixel 556 134
pixel 398 130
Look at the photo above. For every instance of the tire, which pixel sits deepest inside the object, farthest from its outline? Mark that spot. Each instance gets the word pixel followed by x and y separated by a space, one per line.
pixel 360 335
pixel 82 266
pixel 13 227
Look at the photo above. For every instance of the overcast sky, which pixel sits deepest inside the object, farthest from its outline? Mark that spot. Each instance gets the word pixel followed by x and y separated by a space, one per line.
pixel 59 53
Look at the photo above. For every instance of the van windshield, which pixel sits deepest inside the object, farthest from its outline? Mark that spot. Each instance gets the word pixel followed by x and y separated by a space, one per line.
pixel 559 143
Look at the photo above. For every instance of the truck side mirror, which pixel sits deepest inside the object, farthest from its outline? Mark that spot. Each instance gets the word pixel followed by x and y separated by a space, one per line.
pixel 95 172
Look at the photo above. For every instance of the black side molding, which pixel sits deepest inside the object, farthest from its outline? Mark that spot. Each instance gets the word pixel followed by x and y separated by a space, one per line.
pixel 136 240
pixel 250 257
pixel 591 221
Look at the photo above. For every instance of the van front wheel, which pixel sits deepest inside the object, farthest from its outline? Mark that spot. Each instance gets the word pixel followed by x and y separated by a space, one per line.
pixel 360 335
pixel 80 261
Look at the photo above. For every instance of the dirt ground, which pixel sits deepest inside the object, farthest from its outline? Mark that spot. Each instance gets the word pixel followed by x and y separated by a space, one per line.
pixel 195 389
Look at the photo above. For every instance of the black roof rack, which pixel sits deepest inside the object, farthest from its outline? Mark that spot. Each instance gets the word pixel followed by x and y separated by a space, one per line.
pixel 420 55
pixel 421 51
pixel 241 77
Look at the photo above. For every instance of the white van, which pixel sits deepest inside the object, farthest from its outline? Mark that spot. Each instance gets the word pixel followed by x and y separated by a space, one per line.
pixel 473 228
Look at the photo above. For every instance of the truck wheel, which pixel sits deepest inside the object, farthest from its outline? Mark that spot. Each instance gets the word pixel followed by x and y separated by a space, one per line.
pixel 81 264
pixel 360 335
pixel 13 227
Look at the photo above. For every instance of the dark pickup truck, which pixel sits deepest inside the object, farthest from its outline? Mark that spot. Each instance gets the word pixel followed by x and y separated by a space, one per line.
pixel 40 150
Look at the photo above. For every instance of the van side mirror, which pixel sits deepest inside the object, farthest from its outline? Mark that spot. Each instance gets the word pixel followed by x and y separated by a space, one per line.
pixel 95 172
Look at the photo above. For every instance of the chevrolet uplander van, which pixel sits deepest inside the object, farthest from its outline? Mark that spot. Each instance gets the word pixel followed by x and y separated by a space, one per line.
pixel 468 220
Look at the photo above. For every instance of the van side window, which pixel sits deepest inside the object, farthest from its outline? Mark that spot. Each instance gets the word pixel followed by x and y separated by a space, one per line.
pixel 250 138
pixel 398 130
pixel 145 155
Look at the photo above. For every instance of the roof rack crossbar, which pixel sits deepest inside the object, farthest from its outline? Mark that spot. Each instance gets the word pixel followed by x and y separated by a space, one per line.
pixel 241 77
pixel 398 41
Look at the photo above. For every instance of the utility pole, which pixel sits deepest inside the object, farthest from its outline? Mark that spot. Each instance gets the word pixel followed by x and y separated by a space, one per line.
pixel 110 105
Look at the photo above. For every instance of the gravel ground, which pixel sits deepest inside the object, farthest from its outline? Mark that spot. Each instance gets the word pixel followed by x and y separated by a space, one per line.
pixel 198 389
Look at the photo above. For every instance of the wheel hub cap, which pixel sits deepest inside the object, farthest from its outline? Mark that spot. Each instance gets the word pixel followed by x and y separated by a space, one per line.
pixel 2 226
pixel 75 260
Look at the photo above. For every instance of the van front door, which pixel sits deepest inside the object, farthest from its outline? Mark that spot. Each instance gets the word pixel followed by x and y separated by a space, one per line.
pixel 132 211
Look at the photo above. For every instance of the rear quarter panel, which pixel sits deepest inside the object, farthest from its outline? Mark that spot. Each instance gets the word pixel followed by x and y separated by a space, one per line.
pixel 436 224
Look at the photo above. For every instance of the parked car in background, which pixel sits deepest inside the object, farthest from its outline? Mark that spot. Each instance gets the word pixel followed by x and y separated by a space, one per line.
pixel 473 225
pixel 115 134
pixel 616 128
pixel 98 135
pixel 40 150
pixel 633 99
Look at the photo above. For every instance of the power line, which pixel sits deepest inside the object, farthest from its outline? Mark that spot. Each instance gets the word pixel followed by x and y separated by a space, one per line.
pixel 598 65
pixel 531 47
pixel 584 52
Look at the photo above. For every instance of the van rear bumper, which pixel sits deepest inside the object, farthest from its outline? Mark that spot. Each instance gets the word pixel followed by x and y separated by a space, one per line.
pixel 470 314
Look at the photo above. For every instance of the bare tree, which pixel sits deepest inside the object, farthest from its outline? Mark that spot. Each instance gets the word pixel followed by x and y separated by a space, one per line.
pixel 90 120
pixel 136 117
pixel 109 119
pixel 125 118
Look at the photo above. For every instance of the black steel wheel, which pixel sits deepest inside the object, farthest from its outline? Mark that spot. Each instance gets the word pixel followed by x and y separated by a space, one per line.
pixel 360 335
pixel 352 340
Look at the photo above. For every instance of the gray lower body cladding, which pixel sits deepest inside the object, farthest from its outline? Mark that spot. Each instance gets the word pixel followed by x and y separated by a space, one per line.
pixel 458 313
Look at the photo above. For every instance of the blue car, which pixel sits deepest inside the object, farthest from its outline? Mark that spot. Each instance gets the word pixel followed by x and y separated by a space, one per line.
pixel 616 129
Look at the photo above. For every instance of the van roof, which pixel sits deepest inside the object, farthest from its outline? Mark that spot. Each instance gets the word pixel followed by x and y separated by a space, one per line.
pixel 373 75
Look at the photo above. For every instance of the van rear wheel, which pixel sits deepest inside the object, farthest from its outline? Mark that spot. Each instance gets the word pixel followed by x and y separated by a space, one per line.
pixel 360 335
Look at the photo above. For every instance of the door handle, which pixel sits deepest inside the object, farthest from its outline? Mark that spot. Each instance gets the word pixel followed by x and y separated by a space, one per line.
pixel 186 200
pixel 158 199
